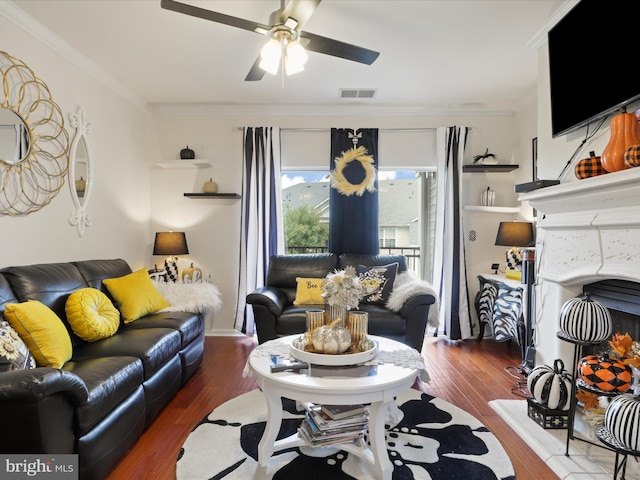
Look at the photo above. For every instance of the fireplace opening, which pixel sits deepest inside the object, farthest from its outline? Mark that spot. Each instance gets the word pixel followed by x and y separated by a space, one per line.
pixel 622 298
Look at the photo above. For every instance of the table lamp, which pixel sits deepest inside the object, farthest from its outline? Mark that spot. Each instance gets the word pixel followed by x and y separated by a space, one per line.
pixel 171 244
pixel 514 235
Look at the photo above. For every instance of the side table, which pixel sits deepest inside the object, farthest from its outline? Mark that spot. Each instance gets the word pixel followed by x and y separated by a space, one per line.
pixel 499 303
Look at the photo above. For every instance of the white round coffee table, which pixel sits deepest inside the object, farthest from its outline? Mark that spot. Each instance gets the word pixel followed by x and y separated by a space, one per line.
pixel 378 389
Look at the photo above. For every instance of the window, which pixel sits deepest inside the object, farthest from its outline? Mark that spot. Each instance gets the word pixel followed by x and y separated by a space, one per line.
pixel 404 226
pixel 387 237
pixel 407 191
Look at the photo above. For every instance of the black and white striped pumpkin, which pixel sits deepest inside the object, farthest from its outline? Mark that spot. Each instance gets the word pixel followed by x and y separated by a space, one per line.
pixel 551 387
pixel 586 320
pixel 622 419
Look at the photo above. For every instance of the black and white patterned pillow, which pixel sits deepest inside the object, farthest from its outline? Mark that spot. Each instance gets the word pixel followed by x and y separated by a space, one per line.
pixel 14 354
pixel 377 282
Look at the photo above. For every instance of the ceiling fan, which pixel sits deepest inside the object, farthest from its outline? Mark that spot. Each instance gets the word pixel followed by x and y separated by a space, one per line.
pixel 287 39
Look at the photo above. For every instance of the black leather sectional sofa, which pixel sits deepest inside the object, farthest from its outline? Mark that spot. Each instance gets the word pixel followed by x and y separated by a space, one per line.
pixel 102 400
pixel 277 316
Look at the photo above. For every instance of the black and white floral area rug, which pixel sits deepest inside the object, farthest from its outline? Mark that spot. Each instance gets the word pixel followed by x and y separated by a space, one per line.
pixel 433 440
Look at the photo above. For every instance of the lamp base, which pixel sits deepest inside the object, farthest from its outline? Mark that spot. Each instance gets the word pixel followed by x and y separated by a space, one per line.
pixel 513 274
pixel 171 269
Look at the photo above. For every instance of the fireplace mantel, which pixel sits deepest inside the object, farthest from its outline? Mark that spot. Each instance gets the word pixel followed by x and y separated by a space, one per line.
pixel 613 190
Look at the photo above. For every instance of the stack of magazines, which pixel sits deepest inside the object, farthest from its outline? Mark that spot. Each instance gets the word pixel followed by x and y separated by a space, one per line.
pixel 331 424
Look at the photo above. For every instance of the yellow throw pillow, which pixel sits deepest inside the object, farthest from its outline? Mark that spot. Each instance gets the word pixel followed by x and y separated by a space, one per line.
pixel 43 332
pixel 308 291
pixel 91 314
pixel 136 295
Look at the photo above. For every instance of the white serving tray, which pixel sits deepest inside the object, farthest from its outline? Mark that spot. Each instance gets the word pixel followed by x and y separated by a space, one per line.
pixel 332 360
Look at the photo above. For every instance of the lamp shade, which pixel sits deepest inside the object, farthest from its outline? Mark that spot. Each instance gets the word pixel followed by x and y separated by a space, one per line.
pixel 170 243
pixel 515 234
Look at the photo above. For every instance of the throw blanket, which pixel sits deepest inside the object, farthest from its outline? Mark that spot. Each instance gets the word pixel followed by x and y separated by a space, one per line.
pixel 405 286
pixel 190 297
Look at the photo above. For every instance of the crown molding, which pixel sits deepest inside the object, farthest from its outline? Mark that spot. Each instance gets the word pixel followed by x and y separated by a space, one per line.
pixel 335 110
pixel 30 25
pixel 540 38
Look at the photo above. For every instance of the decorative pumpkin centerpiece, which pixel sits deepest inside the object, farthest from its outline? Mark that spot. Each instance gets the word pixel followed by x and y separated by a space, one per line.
pixel 621 419
pixel 551 387
pixel 589 167
pixel 585 320
pixel 606 374
pixel 210 186
pixel 331 339
pixel 624 134
pixel 632 156
pixel 187 153
pixel 192 274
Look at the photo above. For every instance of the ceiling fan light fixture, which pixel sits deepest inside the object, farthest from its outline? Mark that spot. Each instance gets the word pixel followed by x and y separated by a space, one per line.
pixel 270 56
pixel 295 57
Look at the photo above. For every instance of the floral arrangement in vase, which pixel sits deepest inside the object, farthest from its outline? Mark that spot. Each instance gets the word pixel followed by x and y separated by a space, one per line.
pixel 342 288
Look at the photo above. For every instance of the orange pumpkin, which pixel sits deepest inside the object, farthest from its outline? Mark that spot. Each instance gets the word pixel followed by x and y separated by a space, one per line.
pixel 589 167
pixel 624 133
pixel 632 156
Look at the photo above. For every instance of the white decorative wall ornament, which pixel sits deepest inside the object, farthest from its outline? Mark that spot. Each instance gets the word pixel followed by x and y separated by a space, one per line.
pixel 340 182
pixel 80 162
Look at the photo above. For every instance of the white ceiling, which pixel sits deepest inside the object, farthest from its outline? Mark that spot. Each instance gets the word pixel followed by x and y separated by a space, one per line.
pixel 473 55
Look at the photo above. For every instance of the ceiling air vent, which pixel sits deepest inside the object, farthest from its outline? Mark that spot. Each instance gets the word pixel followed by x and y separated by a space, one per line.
pixel 357 92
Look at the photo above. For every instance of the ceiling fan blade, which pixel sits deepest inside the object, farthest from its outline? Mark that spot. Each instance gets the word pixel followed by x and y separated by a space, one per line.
pixel 300 10
pixel 336 48
pixel 214 16
pixel 256 73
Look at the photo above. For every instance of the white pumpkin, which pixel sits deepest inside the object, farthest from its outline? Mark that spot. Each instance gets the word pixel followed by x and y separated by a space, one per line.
pixel 586 320
pixel 331 339
pixel 551 387
pixel 622 419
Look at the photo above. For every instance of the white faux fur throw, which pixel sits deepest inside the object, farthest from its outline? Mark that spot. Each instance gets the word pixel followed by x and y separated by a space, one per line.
pixel 405 286
pixel 190 297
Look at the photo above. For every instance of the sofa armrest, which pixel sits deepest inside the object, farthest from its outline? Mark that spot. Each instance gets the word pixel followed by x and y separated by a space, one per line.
pixel 34 384
pixel 416 311
pixel 272 298
pixel 415 301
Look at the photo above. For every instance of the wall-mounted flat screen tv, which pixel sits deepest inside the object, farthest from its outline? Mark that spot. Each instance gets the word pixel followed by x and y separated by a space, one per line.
pixel 593 62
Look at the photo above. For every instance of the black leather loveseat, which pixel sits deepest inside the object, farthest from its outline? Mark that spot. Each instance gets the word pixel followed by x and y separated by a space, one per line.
pixel 99 402
pixel 276 315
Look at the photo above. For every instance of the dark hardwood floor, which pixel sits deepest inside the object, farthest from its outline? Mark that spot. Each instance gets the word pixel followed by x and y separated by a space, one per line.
pixel 468 374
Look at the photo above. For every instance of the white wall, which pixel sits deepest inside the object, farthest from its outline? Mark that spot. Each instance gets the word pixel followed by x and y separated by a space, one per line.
pixel 212 225
pixel 122 142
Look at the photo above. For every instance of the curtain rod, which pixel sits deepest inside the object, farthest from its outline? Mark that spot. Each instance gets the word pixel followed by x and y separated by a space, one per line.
pixel 303 129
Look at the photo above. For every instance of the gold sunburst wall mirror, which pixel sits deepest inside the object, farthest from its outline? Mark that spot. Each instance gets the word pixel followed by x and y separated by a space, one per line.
pixel 34 145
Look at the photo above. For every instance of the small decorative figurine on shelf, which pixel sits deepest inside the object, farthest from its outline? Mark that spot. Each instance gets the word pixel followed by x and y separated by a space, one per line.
pixel 187 153
pixel 485 159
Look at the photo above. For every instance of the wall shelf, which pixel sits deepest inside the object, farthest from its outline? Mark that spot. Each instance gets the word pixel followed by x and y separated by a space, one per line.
pixel 480 208
pixel 197 163
pixel 489 168
pixel 212 195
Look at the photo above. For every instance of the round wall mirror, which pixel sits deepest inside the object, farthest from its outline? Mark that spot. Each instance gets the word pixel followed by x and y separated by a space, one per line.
pixel 14 137
pixel 80 172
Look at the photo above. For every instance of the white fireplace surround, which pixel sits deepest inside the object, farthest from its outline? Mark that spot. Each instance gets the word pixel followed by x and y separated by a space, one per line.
pixel 587 230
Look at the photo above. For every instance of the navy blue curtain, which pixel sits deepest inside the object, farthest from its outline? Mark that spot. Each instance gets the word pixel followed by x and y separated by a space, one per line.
pixel 353 224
